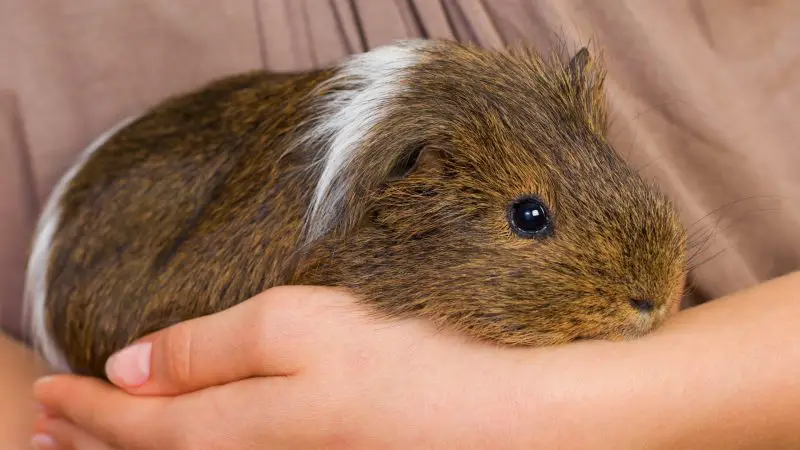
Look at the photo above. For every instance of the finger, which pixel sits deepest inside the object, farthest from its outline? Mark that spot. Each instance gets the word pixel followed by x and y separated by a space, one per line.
pixel 268 335
pixel 272 412
pixel 62 435
pixel 104 411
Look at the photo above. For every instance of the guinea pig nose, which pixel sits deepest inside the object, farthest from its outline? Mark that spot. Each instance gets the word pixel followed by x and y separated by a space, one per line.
pixel 643 305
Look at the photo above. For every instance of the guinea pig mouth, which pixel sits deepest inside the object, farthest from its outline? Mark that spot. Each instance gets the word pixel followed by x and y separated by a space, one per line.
pixel 593 338
pixel 606 337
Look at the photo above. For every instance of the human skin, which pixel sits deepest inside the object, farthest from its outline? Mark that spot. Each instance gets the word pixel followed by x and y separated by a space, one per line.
pixel 302 367
pixel 18 369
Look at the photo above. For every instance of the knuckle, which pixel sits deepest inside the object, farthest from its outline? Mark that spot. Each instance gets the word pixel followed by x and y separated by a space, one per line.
pixel 277 312
pixel 266 321
pixel 178 359
pixel 287 318
pixel 263 317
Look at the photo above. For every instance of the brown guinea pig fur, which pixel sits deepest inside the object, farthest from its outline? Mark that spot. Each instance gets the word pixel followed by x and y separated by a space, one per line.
pixel 474 188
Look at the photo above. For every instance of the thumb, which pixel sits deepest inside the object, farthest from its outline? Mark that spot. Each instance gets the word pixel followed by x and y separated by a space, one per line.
pixel 267 335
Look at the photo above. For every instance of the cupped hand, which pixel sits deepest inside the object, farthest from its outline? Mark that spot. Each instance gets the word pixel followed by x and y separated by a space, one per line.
pixel 296 367
pixel 303 367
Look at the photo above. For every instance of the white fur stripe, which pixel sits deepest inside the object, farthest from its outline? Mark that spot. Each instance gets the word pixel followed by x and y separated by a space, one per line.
pixel 370 81
pixel 36 287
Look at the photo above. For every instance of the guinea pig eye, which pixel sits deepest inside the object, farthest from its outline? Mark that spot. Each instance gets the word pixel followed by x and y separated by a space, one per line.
pixel 529 218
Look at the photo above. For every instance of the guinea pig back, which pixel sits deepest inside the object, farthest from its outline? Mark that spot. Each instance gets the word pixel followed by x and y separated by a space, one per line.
pixel 471 187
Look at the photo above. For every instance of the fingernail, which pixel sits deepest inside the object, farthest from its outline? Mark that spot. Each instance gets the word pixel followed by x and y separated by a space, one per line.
pixel 42 380
pixel 130 366
pixel 44 441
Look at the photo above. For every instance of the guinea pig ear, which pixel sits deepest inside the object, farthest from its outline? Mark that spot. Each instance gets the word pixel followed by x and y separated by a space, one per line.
pixel 418 158
pixel 587 78
pixel 577 65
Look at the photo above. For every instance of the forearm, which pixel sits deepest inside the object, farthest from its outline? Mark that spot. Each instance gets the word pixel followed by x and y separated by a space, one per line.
pixel 735 364
pixel 18 369
pixel 722 375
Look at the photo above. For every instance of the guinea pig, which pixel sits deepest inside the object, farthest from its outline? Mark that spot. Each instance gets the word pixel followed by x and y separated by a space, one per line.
pixel 474 188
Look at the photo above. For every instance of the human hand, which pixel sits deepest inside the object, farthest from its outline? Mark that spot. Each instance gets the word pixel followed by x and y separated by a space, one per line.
pixel 721 375
pixel 295 367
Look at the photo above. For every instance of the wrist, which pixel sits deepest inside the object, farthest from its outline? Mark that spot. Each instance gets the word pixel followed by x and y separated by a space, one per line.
pixel 719 376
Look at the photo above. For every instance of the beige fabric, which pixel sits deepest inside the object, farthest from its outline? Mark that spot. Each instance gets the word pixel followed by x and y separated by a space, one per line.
pixel 704 95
